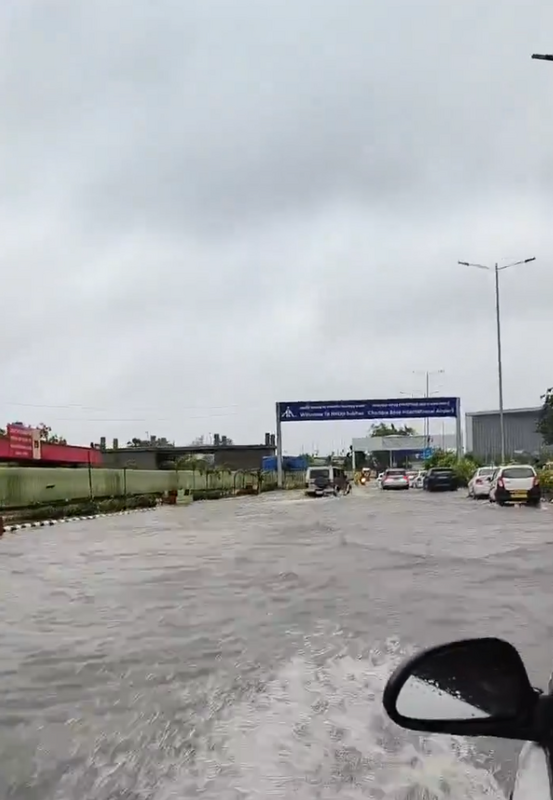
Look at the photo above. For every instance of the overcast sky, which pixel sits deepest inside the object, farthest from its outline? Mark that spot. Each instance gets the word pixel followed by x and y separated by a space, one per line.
pixel 209 206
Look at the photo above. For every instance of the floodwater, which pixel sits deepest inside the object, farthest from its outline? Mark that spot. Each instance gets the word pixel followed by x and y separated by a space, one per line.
pixel 238 649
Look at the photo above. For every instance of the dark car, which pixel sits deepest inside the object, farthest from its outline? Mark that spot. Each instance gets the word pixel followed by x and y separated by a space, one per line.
pixel 440 479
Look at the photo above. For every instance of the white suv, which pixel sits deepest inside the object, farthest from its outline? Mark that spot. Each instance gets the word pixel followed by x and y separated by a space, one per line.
pixel 516 483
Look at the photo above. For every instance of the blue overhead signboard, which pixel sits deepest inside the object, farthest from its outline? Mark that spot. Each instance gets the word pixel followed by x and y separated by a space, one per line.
pixel 400 408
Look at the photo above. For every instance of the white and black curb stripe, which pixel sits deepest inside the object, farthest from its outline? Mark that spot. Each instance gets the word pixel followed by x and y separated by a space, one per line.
pixel 46 523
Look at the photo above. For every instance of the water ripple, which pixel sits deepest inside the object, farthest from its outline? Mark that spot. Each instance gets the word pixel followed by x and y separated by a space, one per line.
pixel 238 649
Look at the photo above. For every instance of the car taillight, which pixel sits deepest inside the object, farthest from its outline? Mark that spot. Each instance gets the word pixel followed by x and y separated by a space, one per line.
pixel 501 483
pixel 536 481
pixel 478 480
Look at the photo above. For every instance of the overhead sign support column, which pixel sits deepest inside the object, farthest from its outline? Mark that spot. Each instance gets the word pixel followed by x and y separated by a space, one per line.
pixel 336 410
pixel 280 476
pixel 458 431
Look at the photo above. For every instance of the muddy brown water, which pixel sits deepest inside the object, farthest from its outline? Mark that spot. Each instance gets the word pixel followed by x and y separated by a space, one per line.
pixel 238 648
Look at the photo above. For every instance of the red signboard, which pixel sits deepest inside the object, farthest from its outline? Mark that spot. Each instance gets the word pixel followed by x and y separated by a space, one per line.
pixel 23 442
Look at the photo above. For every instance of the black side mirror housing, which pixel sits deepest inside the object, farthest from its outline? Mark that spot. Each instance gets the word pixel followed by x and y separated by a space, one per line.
pixel 472 687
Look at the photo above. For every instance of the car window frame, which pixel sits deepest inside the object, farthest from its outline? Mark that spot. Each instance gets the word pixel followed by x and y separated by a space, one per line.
pixel 511 466
pixel 310 474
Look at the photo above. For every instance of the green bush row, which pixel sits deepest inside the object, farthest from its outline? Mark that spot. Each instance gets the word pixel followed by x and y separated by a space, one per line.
pixel 87 508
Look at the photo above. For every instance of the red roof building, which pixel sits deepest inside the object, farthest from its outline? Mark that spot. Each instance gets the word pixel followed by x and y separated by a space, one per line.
pixel 24 446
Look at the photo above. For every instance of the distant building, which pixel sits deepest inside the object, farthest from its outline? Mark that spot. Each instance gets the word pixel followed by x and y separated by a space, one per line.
pixel 22 446
pixel 483 433
pixel 218 454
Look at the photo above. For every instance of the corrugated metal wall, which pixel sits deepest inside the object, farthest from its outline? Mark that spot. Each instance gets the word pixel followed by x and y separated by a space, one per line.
pixel 520 434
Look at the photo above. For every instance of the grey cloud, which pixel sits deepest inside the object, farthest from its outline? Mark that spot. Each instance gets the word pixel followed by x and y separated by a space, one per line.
pixel 213 205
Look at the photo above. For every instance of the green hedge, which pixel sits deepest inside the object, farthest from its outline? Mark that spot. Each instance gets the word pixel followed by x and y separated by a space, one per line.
pixel 464 467
pixel 89 508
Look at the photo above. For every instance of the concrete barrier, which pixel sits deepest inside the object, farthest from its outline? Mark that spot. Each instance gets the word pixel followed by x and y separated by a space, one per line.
pixel 22 487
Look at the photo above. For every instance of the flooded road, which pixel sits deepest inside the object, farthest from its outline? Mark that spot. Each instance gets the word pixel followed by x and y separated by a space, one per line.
pixel 238 649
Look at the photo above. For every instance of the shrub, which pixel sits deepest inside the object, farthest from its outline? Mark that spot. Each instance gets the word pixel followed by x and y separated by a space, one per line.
pixel 464 467
pixel 546 480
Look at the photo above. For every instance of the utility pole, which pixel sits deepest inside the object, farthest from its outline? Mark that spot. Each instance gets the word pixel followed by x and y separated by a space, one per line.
pixel 499 364
pixel 496 270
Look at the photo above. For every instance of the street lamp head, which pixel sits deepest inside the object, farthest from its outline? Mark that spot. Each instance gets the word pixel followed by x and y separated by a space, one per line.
pixel 528 260
pixel 470 264
pixel 543 56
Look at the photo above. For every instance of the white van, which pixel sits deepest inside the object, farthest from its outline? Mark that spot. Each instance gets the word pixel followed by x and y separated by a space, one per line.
pixel 326 480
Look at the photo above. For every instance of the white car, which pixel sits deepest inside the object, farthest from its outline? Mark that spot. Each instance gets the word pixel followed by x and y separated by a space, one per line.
pixel 412 477
pixel 395 479
pixel 479 484
pixel 516 483
pixel 418 483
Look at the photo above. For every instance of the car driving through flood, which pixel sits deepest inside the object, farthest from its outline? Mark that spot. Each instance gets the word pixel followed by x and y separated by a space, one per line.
pixel 328 480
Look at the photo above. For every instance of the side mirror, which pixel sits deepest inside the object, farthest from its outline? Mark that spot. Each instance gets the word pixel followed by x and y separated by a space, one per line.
pixel 476 687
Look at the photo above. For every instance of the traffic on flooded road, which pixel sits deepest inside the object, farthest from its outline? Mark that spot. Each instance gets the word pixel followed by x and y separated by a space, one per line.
pixel 241 647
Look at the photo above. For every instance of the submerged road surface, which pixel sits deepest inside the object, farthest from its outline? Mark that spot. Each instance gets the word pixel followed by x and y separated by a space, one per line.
pixel 238 649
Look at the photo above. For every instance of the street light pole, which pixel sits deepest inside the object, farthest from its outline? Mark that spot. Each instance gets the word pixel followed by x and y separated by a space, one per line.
pixel 427 374
pixel 497 269
pixel 499 365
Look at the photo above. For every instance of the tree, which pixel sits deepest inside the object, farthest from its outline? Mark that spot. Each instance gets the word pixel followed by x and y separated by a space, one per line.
pixel 441 458
pixel 382 429
pixel 153 441
pixel 464 467
pixel 380 459
pixel 46 435
pixel 216 440
pixel 545 421
pixel 191 462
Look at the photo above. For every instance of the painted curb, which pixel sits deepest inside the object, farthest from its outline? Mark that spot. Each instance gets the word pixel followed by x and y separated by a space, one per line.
pixel 46 523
